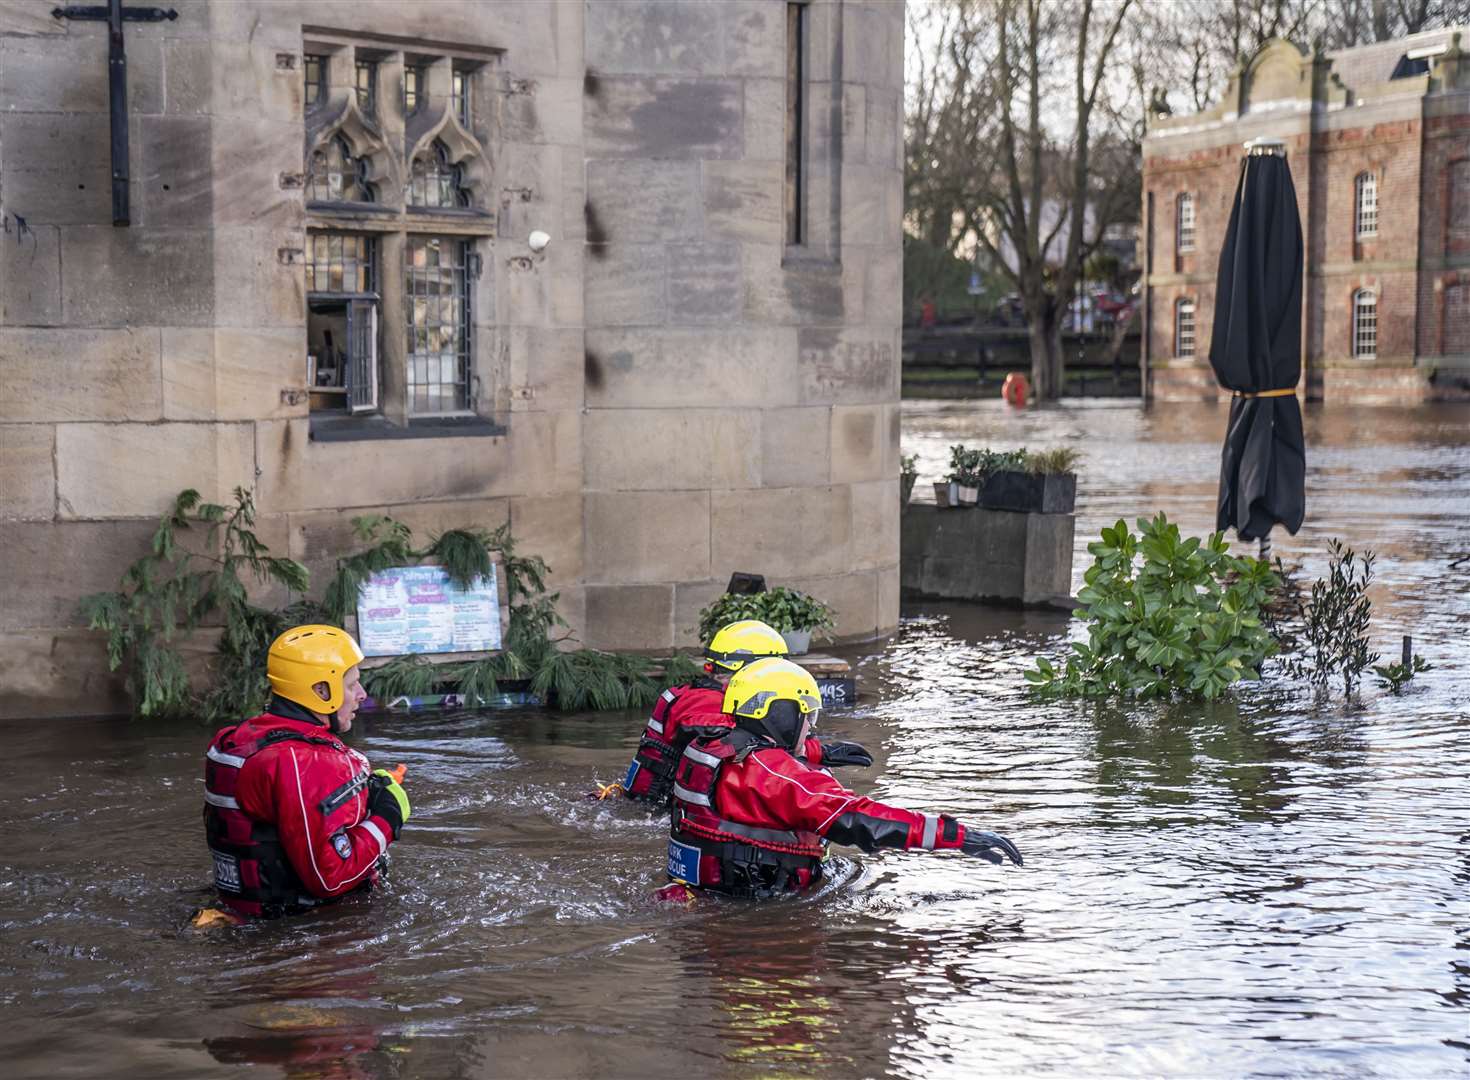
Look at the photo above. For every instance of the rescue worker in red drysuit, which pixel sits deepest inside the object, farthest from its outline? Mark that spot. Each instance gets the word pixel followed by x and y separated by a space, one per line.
pixel 697 709
pixel 749 818
pixel 293 816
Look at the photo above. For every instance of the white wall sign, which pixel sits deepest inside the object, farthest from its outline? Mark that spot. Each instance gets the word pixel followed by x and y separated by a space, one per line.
pixel 417 609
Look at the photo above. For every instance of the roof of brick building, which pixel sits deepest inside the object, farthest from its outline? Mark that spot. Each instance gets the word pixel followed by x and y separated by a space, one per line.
pixel 1365 65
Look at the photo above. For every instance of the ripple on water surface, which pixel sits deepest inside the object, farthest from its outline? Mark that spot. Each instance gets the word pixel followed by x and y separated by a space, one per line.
pixel 1269 885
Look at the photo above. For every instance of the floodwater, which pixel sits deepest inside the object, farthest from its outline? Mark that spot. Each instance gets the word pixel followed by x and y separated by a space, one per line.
pixel 1272 885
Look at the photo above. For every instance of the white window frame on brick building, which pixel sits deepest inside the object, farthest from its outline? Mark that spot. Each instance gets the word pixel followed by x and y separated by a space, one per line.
pixel 1365 323
pixel 1365 206
pixel 1184 222
pixel 1184 333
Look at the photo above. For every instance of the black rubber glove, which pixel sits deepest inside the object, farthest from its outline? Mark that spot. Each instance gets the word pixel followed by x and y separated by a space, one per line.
pixel 388 800
pixel 845 753
pixel 984 844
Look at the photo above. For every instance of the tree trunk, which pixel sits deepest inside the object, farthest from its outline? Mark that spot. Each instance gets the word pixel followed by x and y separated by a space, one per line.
pixel 1046 356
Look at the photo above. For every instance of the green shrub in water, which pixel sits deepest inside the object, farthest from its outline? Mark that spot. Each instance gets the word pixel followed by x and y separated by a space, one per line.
pixel 1393 677
pixel 1327 630
pixel 1165 615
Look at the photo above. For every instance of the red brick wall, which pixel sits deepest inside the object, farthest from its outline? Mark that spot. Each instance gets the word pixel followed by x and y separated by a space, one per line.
pixel 1339 263
pixel 1444 249
pixel 1455 330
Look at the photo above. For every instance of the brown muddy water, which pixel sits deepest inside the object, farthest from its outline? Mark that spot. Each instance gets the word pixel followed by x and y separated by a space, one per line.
pixel 1269 886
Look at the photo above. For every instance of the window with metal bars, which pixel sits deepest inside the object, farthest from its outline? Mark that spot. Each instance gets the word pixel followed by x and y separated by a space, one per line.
pixel 337 176
pixel 1365 214
pixel 1184 222
pixel 459 95
pixel 367 86
pixel 1184 328
pixel 341 263
pixel 413 87
pixel 1365 323
pixel 436 279
pixel 314 68
pixel 342 322
pixel 435 182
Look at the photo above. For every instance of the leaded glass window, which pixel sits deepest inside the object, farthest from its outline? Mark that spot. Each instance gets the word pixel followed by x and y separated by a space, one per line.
pixel 314 66
pixel 437 283
pixel 1184 328
pixel 340 263
pixel 367 86
pixel 413 87
pixel 459 96
pixel 337 176
pixel 1365 323
pixel 1365 218
pixel 435 182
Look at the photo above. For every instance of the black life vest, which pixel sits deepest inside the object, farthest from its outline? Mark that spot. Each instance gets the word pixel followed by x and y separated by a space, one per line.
pixel 251 872
pixel 712 852
pixel 651 775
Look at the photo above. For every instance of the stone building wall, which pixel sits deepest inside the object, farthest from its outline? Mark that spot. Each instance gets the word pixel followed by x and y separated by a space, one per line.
pixel 1340 117
pixel 668 392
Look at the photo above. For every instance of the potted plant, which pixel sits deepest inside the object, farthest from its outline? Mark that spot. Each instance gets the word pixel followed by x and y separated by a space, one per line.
pixel 908 472
pixel 794 614
pixel 946 493
pixel 964 473
pixel 1038 483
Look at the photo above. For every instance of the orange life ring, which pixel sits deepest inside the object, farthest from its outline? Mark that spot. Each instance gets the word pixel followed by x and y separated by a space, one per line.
pixel 1015 389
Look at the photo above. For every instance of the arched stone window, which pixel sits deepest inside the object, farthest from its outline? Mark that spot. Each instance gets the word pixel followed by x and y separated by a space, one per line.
pixel 1184 327
pixel 1365 203
pixel 436 182
pixel 1365 323
pixel 337 176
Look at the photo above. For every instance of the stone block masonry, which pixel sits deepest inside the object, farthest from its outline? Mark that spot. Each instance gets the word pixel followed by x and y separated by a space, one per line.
pixel 683 384
pixel 989 555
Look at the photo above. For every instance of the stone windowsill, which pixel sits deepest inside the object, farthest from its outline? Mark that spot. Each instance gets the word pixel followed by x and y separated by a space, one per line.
pixel 369 428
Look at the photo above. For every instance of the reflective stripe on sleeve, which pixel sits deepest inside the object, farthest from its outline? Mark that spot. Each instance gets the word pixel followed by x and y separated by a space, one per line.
pixel 668 695
pixel 655 725
pixel 226 801
pixel 931 832
pixel 378 833
pixel 701 757
pixel 690 796
pixel 224 759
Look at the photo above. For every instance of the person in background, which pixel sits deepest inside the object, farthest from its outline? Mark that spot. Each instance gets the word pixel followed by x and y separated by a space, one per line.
pixel 697 709
pixel 294 817
pixel 750 818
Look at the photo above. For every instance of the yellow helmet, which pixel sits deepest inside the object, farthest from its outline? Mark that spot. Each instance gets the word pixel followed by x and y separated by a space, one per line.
pixel 738 644
pixel 306 655
pixel 773 696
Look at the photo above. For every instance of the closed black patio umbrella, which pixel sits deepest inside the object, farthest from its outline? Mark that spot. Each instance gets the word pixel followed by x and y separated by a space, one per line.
pixel 1255 349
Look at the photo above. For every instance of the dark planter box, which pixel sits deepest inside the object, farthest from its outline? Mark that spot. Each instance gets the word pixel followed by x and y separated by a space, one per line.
pixel 1030 493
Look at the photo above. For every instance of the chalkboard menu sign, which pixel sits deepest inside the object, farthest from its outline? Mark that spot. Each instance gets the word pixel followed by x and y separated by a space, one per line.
pixel 417 609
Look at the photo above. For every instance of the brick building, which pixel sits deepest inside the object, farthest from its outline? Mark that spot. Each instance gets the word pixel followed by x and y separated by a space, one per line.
pixel 326 294
pixel 1378 139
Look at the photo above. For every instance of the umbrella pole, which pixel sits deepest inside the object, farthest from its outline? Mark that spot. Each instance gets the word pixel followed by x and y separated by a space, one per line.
pixel 1265 548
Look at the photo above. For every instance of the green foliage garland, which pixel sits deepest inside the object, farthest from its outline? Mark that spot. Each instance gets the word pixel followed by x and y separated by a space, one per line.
pixel 1165 616
pixel 193 573
pixel 179 588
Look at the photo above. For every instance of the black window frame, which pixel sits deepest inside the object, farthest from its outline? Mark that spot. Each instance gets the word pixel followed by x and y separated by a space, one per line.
pixel 366 66
pixel 314 90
